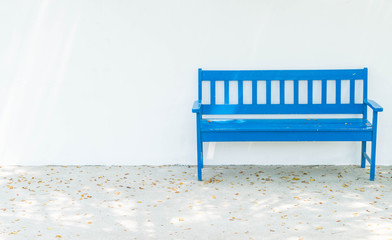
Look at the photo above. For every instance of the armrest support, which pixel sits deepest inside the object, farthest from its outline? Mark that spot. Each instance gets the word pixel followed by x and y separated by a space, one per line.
pixel 196 106
pixel 373 105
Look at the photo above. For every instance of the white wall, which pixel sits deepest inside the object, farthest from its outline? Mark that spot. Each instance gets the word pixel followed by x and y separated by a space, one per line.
pixel 112 82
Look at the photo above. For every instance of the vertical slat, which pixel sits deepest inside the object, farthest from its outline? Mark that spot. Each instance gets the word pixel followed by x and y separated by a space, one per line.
pixel 295 91
pixel 281 93
pixel 226 92
pixel 310 91
pixel 365 86
pixel 200 84
pixel 254 92
pixel 240 92
pixel 338 91
pixel 212 92
pixel 352 91
pixel 268 91
pixel 323 91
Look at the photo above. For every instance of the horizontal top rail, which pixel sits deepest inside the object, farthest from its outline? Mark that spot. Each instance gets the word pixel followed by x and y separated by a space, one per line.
pixel 281 74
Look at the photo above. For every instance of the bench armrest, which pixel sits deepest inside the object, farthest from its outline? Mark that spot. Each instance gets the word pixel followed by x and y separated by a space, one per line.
pixel 196 107
pixel 373 105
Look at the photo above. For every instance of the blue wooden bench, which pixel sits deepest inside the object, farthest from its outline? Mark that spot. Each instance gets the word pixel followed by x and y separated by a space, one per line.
pixel 336 129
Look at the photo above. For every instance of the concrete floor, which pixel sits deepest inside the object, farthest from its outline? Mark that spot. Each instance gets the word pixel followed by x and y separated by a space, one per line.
pixel 167 202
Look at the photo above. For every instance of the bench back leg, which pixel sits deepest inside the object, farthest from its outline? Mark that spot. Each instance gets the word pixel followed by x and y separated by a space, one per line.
pixel 363 160
pixel 199 149
pixel 199 160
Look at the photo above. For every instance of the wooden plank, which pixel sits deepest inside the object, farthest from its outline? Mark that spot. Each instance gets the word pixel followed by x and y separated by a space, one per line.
pixel 284 109
pixel 212 92
pixel 296 91
pixel 324 91
pixel 268 92
pixel 281 74
pixel 352 91
pixel 367 157
pixel 340 124
pixel 310 91
pixel 285 136
pixel 254 92
pixel 227 95
pixel 338 91
pixel 281 93
pixel 200 84
pixel 240 92
pixel 365 90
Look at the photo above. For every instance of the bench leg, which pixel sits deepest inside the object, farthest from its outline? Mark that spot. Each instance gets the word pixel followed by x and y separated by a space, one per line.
pixel 373 161
pixel 199 159
pixel 374 142
pixel 202 155
pixel 363 160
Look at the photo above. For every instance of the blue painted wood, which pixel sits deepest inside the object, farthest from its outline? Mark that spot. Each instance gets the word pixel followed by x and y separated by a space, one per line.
pixel 358 129
pixel 324 92
pixel 338 91
pixel 240 93
pixel 374 141
pixel 365 90
pixel 196 106
pixel 363 159
pixel 281 92
pixel 197 109
pixel 199 148
pixel 310 91
pixel 295 91
pixel 283 109
pixel 254 92
pixel 212 92
pixel 278 125
pixel 281 74
pixel 373 105
pixel 268 136
pixel 367 158
pixel 268 92
pixel 227 92
pixel 352 91
pixel 200 84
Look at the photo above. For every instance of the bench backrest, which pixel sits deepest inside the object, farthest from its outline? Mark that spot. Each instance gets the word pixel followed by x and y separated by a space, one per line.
pixel 260 81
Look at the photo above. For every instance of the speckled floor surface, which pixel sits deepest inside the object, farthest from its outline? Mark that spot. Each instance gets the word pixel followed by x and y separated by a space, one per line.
pixel 167 202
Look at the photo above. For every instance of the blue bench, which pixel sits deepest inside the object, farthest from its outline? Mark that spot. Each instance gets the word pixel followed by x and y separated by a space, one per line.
pixel 259 82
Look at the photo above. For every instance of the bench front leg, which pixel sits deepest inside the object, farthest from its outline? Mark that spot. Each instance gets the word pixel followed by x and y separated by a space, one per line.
pixel 374 142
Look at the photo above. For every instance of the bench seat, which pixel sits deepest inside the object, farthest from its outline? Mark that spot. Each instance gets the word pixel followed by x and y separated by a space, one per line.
pixel 284 125
pixel 222 130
